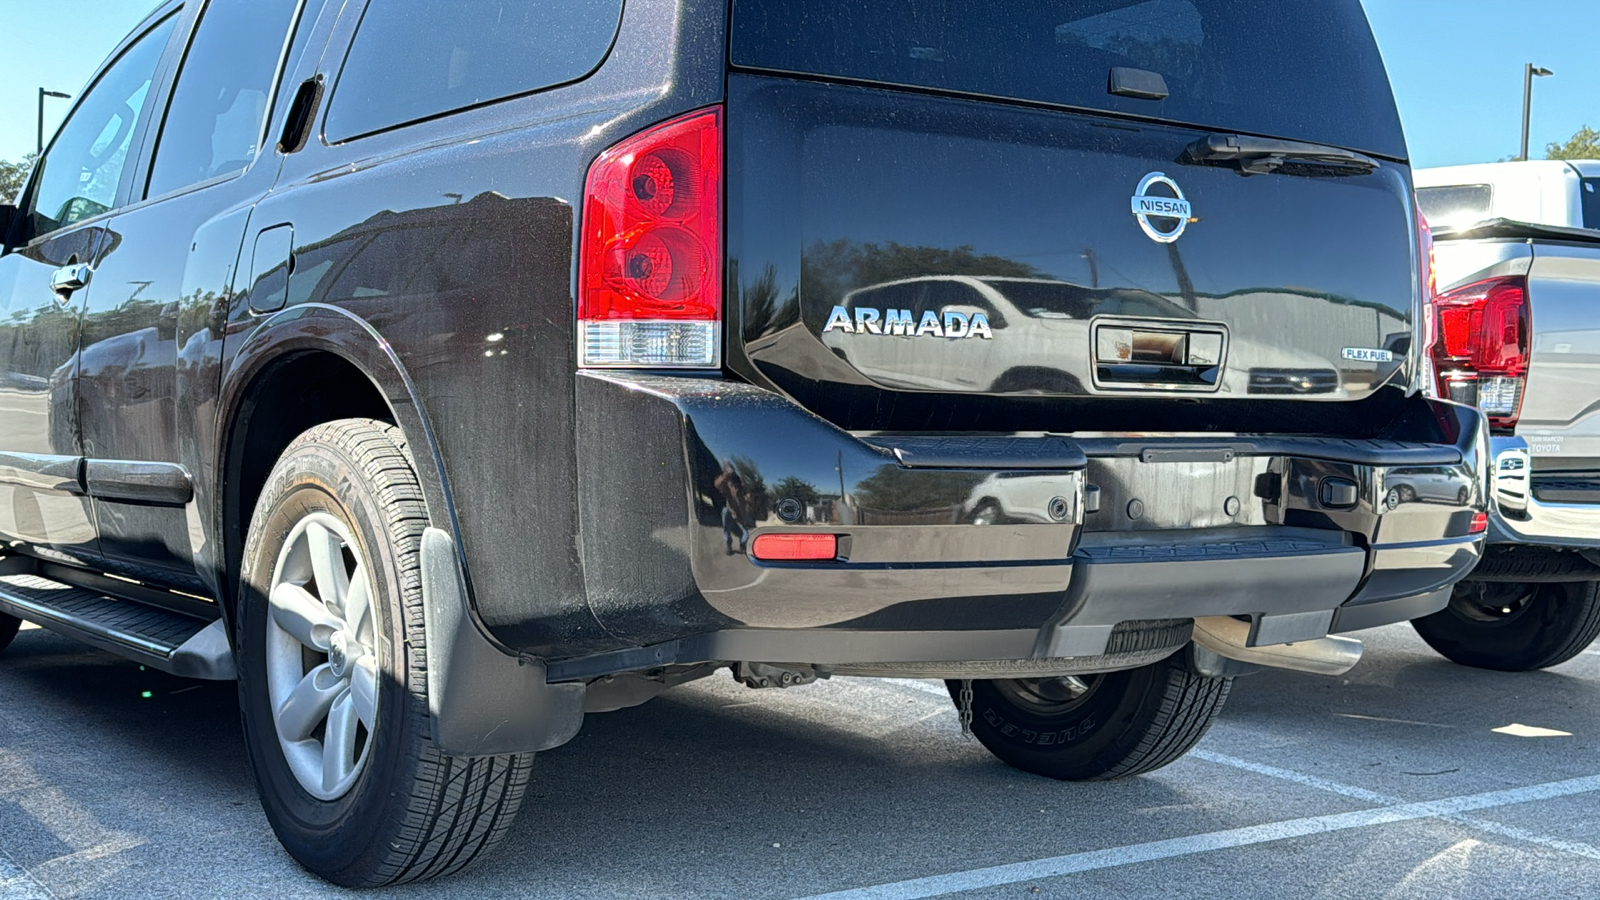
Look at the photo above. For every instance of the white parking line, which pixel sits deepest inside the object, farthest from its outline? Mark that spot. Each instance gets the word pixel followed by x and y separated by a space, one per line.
pixel 1054 867
pixel 17 884
pixel 1310 781
pixel 1323 784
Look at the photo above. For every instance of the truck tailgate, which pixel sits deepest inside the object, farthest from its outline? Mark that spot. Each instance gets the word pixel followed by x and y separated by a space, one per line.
pixel 1561 408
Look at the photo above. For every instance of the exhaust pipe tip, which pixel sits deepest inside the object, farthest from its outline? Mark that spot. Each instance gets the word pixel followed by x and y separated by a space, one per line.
pixel 1227 636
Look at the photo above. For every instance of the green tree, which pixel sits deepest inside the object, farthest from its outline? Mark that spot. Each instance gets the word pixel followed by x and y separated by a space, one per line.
pixel 830 269
pixel 795 488
pixel 12 175
pixel 1583 145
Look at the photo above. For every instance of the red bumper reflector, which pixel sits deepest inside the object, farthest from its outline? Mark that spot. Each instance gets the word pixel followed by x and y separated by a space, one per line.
pixel 795 546
pixel 1480 523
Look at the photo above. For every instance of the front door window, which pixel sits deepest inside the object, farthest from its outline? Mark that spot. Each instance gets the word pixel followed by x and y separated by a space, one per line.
pixel 79 175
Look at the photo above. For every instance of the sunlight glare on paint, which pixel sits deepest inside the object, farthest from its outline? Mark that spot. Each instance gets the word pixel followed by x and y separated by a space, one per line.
pixel 1529 731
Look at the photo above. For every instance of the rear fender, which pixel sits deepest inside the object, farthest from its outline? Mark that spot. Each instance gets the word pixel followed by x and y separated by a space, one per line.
pixel 477 686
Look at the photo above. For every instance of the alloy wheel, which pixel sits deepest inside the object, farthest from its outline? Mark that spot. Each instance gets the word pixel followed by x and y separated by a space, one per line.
pixel 1049 696
pixel 321 654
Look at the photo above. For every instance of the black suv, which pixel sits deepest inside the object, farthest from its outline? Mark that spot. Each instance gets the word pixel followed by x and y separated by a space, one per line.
pixel 444 371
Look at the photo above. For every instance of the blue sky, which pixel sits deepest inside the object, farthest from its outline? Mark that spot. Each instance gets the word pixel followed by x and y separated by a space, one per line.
pixel 1456 66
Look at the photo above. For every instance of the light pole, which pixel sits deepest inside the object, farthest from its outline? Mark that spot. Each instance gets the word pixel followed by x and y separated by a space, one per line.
pixel 43 94
pixel 1529 70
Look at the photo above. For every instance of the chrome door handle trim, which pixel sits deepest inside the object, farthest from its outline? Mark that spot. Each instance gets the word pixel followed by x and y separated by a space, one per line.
pixel 67 279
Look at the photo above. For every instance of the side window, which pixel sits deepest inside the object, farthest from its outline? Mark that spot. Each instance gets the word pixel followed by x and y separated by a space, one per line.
pixel 304 26
pixel 943 293
pixel 217 114
pixel 889 296
pixel 462 54
pixel 1456 204
pixel 1590 192
pixel 78 177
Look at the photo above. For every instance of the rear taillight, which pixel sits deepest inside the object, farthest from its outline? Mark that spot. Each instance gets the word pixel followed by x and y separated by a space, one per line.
pixel 650 259
pixel 1480 346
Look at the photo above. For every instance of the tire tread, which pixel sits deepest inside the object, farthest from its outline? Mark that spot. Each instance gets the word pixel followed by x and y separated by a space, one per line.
pixel 1189 705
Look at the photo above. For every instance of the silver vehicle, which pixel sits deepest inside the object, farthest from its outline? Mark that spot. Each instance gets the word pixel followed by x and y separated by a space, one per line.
pixel 1043 328
pixel 1517 333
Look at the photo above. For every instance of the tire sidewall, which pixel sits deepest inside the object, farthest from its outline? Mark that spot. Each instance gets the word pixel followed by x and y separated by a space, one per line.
pixel 1531 638
pixel 320 477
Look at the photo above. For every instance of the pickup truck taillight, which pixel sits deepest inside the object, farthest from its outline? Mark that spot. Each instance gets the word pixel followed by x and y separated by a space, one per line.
pixel 650 255
pixel 1480 346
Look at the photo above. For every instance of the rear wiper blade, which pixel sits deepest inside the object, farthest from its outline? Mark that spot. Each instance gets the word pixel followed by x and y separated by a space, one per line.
pixel 1263 156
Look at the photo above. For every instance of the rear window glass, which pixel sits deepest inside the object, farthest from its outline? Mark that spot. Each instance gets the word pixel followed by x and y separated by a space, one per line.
pixel 415 59
pixel 1591 203
pixel 1301 69
pixel 1455 204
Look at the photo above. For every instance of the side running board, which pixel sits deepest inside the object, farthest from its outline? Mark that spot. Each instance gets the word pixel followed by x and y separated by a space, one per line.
pixel 185 645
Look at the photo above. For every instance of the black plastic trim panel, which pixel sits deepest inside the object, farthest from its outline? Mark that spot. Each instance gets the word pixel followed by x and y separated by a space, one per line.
pixel 1566 490
pixel 1363 452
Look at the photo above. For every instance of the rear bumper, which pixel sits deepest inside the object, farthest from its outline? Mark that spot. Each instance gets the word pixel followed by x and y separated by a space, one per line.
pixel 1517 516
pixel 982 548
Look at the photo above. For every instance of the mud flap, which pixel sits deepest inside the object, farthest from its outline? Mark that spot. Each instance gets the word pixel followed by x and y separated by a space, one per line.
pixel 483 701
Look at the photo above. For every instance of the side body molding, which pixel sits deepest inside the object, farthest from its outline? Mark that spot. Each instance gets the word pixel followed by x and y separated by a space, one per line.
pixel 138 482
pixel 42 472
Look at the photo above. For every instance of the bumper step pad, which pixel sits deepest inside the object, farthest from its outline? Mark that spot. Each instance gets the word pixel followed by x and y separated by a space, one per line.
pixel 159 638
pixel 1554 490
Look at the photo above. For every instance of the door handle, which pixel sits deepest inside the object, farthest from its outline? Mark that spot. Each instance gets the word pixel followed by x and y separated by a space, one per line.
pixel 67 279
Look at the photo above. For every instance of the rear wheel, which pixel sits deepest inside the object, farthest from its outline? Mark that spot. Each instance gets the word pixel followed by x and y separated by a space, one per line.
pixel 1514 627
pixel 333 672
pixel 1094 727
pixel 8 629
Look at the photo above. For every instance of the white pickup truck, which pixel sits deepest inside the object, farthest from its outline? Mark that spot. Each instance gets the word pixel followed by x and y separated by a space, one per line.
pixel 1516 332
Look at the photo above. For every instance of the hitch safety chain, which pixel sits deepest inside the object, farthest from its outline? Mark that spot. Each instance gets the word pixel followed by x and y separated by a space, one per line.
pixel 964 706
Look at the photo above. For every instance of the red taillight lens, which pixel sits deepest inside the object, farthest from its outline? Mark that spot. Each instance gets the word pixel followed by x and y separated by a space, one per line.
pixel 650 259
pixel 795 546
pixel 1480 346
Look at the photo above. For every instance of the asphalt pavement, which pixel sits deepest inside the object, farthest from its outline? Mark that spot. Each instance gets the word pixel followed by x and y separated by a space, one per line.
pixel 1409 777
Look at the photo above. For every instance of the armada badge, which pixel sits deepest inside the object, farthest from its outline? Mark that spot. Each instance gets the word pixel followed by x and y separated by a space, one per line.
pixel 1174 210
pixel 946 324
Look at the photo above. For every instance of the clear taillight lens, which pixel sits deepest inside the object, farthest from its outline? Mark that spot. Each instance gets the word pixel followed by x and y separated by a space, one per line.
pixel 650 258
pixel 1480 346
